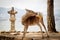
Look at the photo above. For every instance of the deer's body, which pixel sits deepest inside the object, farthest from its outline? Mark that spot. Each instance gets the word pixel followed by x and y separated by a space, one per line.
pixel 32 18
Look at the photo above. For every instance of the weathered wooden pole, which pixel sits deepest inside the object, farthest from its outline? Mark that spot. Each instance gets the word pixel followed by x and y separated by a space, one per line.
pixel 50 16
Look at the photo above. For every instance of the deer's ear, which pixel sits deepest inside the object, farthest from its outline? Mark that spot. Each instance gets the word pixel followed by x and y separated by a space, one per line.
pixel 29 10
pixel 26 9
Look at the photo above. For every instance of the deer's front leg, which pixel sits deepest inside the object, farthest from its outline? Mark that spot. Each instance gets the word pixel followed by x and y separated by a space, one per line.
pixel 25 31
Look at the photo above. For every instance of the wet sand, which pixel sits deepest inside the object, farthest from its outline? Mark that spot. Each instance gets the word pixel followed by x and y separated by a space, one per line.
pixel 30 36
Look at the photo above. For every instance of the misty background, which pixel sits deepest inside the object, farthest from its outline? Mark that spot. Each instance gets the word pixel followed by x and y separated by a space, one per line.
pixel 20 6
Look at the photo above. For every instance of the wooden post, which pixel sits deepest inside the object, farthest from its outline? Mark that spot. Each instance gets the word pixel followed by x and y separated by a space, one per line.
pixel 50 16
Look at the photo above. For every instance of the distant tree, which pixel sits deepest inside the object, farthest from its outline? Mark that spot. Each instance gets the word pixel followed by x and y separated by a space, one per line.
pixel 50 16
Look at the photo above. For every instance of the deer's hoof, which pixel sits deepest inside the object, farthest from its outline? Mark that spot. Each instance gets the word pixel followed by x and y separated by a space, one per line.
pixel 42 37
pixel 47 36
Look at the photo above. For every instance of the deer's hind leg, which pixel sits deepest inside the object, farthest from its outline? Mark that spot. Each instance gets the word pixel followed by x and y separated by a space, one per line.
pixel 41 29
pixel 44 28
pixel 25 31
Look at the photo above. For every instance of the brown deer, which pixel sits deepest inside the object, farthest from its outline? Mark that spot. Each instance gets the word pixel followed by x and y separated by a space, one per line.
pixel 32 18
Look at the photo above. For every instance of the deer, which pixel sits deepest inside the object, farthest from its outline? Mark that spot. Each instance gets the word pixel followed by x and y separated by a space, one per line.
pixel 33 18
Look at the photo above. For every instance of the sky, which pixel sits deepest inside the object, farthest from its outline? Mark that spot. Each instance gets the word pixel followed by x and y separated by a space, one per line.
pixel 22 4
pixel 35 5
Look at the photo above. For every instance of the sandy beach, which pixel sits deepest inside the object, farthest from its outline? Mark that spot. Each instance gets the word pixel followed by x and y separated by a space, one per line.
pixel 34 36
